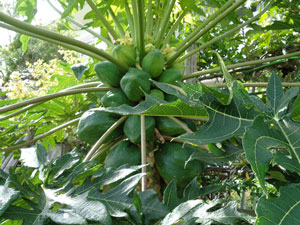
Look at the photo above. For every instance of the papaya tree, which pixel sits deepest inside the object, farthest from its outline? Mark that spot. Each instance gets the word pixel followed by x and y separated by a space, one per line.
pixel 148 137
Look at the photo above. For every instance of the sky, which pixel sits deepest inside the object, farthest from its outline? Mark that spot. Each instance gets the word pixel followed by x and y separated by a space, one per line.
pixel 45 15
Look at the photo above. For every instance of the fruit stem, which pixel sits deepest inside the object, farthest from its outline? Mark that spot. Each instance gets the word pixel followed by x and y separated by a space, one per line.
pixel 143 152
pixel 51 96
pixel 196 50
pixel 238 65
pixel 103 137
pixel 116 21
pixel 164 23
pixel 40 136
pixel 102 19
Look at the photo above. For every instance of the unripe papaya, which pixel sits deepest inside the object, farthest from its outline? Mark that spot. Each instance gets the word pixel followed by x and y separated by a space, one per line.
pixel 170 162
pixel 93 124
pixel 115 98
pixel 108 73
pixel 153 63
pixel 132 128
pixel 157 94
pixel 168 127
pixel 132 83
pixel 170 76
pixel 100 94
pixel 126 54
pixel 123 153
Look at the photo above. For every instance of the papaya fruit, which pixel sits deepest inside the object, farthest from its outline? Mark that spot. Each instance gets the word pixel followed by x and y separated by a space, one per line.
pixel 132 83
pixel 108 73
pixel 170 76
pixel 123 153
pixel 132 128
pixel 168 127
pixel 153 63
pixel 100 94
pixel 115 98
pixel 170 161
pixel 126 54
pixel 93 124
pixel 157 94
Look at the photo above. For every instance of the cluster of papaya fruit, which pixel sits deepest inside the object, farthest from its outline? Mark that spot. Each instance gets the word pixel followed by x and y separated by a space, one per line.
pixel 129 88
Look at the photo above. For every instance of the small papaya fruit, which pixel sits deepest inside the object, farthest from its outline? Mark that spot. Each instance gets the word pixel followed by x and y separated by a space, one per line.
pixel 170 76
pixel 153 63
pixel 115 98
pixel 93 124
pixel 132 128
pixel 133 81
pixel 108 73
pixel 157 94
pixel 125 54
pixel 123 153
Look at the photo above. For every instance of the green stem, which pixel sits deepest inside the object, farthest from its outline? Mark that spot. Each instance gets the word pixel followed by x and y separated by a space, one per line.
pixel 260 84
pixel 72 47
pixel 149 20
pixel 40 136
pixel 181 124
pixel 130 22
pixel 116 21
pixel 104 148
pixel 173 28
pixel 102 19
pixel 60 39
pixel 203 31
pixel 103 137
pixel 135 22
pixel 203 25
pixel 233 66
pixel 140 23
pixel 92 84
pixel 49 97
pixel 194 51
pixel 164 23
pixel 108 42
pixel 143 152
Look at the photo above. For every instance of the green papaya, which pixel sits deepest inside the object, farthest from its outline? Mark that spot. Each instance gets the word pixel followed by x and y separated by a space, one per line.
pixel 93 124
pixel 170 76
pixel 123 153
pixel 115 98
pixel 108 73
pixel 126 54
pixel 132 128
pixel 168 127
pixel 157 94
pixel 170 161
pixel 153 63
pixel 132 83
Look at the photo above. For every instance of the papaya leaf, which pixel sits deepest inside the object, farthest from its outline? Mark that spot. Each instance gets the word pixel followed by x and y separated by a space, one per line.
pixel 170 198
pixel 7 196
pixel 79 70
pixel 152 208
pixel 228 79
pixel 257 141
pixel 34 156
pixel 274 93
pixel 27 8
pixel 24 40
pixel 280 210
pixel 296 109
pixel 224 121
pixel 229 153
pixel 286 162
pixel 205 213
pixel 117 200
